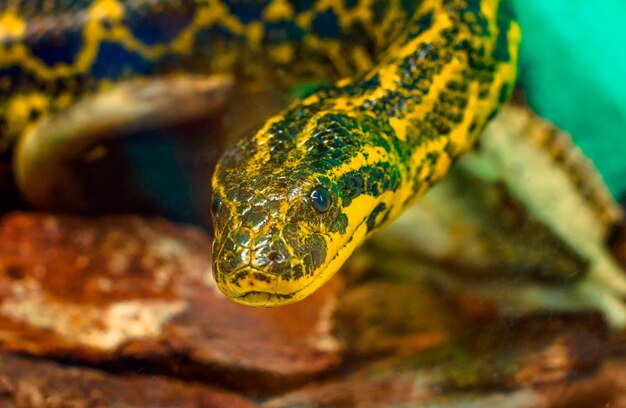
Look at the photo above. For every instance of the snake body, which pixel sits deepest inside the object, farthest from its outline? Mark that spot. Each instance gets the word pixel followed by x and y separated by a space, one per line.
pixel 54 52
pixel 294 199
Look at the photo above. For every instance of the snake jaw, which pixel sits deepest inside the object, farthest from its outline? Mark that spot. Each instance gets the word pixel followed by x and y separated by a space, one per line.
pixel 251 287
pixel 271 269
pixel 263 299
pixel 258 299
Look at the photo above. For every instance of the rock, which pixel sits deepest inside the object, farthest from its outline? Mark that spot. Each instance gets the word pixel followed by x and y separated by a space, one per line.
pixel 26 382
pixel 401 391
pixel 514 357
pixel 125 290
pixel 388 317
pixel 606 388
pixel 535 349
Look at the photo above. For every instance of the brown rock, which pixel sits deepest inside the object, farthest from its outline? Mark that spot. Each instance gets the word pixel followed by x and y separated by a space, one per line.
pixel 534 349
pixel 508 354
pixel 395 317
pixel 38 383
pixel 606 388
pixel 507 363
pixel 122 289
pixel 401 390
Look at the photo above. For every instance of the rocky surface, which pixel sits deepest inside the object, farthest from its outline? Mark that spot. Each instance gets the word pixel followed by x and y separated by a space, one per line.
pixel 124 289
pixel 122 311
pixel 26 382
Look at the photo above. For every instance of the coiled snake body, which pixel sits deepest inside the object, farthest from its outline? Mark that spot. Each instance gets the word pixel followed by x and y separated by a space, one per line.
pixel 295 198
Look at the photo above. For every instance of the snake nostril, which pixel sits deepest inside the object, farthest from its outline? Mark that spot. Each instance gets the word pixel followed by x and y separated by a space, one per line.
pixel 275 256
pixel 268 258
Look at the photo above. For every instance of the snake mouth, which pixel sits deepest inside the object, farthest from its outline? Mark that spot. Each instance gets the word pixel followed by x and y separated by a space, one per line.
pixel 263 299
pixel 252 287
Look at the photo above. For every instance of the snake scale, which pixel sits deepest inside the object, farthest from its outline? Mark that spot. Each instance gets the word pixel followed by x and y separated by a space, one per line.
pixel 417 81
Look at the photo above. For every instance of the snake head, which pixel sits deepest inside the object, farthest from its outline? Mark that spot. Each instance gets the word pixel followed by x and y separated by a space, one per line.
pixel 272 223
pixel 293 200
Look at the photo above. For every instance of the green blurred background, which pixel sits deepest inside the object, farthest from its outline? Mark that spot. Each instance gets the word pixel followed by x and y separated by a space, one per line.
pixel 573 68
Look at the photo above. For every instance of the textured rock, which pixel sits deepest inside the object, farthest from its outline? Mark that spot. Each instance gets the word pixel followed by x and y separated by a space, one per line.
pixel 124 289
pixel 502 364
pixel 401 391
pixel 388 317
pixel 431 332
pixel 605 388
pixel 38 383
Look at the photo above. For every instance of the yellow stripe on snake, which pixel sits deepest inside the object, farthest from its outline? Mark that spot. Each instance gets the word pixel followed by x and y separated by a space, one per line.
pixel 293 199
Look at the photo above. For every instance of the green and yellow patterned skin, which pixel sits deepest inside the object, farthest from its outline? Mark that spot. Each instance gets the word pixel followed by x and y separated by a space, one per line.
pixel 54 52
pixel 294 199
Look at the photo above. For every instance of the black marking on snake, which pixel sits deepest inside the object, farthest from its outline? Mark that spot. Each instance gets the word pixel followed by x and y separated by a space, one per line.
pixel 280 32
pixel 505 92
pixel 341 224
pixel 57 47
pixel 380 8
pixel 368 180
pixel 261 277
pixel 505 15
pixel 129 62
pixel 371 219
pixel 422 24
pixel 158 26
pixel 368 84
pixel 325 25
pixel 247 11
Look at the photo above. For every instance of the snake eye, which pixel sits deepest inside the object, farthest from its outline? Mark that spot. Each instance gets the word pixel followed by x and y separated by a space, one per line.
pixel 320 198
pixel 216 205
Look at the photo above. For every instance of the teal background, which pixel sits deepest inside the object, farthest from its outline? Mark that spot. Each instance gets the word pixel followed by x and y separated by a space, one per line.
pixel 573 68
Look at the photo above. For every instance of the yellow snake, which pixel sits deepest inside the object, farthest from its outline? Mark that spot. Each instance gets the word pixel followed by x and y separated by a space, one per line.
pixel 417 82
pixel 295 198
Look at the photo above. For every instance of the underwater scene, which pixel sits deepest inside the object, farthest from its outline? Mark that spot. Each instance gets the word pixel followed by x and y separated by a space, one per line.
pixel 312 203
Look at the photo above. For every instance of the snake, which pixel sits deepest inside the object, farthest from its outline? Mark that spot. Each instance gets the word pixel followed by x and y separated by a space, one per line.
pixel 410 85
